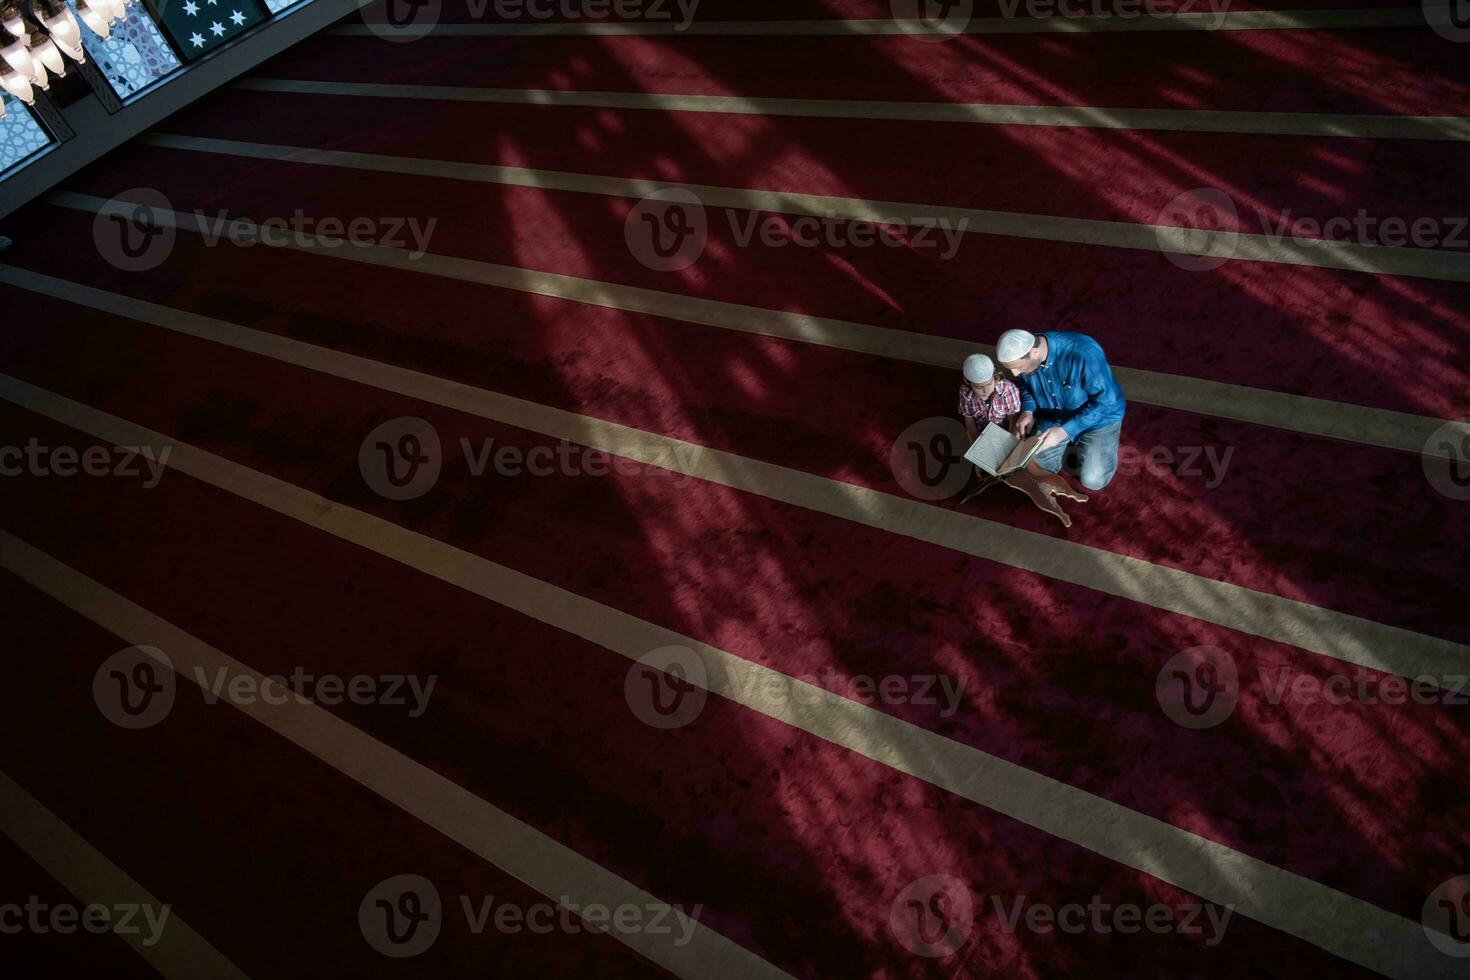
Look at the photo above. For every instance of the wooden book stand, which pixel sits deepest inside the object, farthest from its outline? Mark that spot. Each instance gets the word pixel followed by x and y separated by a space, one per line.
pixel 1042 487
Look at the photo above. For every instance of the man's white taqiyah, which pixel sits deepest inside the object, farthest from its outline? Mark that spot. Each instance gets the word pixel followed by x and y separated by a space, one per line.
pixel 1014 345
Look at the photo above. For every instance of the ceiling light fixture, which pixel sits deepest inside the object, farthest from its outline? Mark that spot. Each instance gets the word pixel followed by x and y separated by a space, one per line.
pixel 38 32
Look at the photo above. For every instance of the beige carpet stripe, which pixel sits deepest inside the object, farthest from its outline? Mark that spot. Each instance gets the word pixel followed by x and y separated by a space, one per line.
pixel 1295 413
pixel 520 850
pixel 1348 927
pixel 1424 263
pixel 179 953
pixel 1314 628
pixel 1449 128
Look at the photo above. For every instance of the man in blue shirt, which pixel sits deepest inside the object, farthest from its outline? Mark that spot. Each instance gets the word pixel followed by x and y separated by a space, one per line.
pixel 1068 394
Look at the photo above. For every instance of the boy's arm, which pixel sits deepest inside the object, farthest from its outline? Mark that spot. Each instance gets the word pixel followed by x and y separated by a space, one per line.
pixel 969 420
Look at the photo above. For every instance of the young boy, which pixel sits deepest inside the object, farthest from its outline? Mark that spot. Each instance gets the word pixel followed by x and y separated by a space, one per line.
pixel 986 398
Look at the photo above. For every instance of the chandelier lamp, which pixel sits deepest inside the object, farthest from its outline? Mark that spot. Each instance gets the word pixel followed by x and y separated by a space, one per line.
pixel 36 33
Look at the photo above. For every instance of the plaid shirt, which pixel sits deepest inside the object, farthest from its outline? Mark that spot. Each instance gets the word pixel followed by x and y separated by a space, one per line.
pixel 1005 402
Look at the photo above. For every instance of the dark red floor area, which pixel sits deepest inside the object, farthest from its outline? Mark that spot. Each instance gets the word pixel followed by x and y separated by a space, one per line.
pixel 801 847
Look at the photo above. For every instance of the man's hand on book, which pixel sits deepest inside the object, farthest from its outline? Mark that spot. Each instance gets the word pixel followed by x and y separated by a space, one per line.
pixel 1052 437
pixel 1021 425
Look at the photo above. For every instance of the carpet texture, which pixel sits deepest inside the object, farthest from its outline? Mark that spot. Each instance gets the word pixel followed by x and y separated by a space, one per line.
pixel 798 850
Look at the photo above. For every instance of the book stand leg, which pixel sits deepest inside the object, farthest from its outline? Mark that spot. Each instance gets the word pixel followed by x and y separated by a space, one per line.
pixel 986 482
pixel 1044 488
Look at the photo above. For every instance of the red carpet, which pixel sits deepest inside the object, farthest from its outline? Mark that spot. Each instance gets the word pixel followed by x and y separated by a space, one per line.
pixel 797 849
pixel 1395 71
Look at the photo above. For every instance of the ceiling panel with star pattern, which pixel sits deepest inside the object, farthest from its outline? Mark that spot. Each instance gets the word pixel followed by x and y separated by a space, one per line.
pixel 198 26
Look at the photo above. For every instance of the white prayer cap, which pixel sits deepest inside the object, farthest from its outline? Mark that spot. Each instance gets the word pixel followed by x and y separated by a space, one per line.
pixel 1014 345
pixel 979 368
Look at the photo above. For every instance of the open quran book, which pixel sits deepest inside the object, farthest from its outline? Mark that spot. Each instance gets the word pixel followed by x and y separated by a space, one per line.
pixel 999 453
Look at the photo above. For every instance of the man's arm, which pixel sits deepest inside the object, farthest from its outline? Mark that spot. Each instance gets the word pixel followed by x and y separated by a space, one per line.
pixel 1028 404
pixel 1104 397
pixel 1022 422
